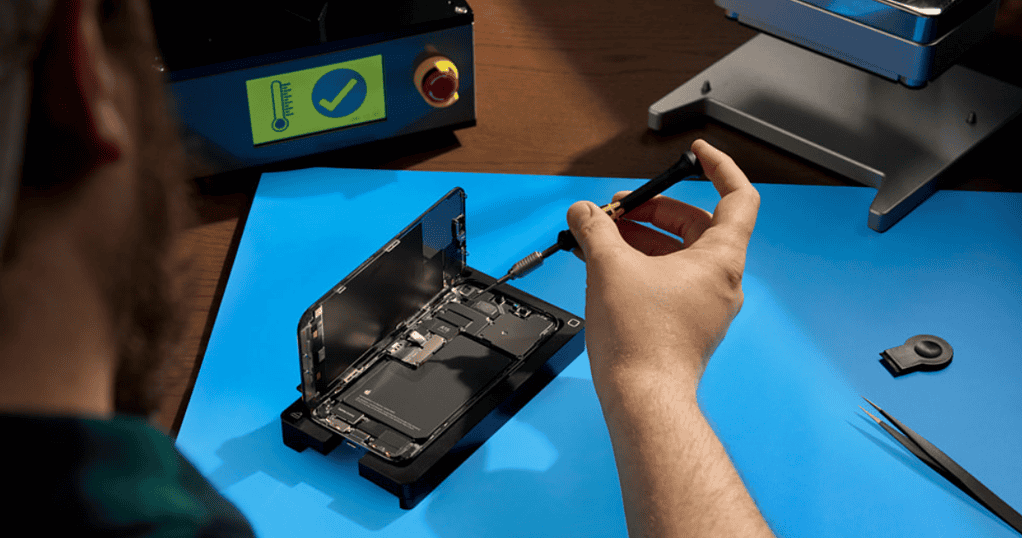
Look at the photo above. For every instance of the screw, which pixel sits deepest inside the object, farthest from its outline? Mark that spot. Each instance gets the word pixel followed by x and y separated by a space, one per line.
pixel 461 10
pixel 971 119
pixel 706 87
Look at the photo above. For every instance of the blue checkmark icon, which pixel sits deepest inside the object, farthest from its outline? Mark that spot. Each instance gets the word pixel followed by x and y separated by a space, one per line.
pixel 338 93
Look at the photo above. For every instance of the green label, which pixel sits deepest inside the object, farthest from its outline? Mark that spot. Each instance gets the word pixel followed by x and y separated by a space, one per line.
pixel 317 99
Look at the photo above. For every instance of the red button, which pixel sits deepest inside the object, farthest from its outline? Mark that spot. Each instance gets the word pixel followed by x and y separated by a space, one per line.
pixel 436 78
pixel 439 85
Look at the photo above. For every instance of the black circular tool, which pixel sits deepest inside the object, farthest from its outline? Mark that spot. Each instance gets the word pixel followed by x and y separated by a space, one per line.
pixel 921 352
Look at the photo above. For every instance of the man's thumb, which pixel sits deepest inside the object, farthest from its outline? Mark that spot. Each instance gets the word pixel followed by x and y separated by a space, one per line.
pixel 593 229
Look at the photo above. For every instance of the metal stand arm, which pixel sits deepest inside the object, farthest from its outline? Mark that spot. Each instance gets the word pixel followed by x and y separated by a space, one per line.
pixel 872 130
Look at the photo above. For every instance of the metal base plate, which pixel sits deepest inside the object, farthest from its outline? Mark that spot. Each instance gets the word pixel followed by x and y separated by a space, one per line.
pixel 870 129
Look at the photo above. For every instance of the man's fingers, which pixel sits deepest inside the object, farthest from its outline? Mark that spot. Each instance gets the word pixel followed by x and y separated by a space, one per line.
pixel 739 200
pixel 647 240
pixel 594 230
pixel 673 216
pixel 732 221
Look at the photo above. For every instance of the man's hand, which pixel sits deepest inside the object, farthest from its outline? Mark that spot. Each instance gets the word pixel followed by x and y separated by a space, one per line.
pixel 657 305
pixel 651 297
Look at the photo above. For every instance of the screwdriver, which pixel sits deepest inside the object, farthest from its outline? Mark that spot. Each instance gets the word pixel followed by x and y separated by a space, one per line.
pixel 686 167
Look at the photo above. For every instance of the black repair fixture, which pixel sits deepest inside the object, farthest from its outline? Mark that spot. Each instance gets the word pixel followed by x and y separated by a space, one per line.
pixel 258 81
pixel 416 360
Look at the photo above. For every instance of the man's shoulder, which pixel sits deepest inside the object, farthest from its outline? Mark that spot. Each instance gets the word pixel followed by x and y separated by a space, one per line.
pixel 118 475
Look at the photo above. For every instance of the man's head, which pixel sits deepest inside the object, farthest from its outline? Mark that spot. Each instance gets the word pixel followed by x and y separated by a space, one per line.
pixel 99 193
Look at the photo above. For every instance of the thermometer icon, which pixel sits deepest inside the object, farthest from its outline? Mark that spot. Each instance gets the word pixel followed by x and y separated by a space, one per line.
pixel 280 93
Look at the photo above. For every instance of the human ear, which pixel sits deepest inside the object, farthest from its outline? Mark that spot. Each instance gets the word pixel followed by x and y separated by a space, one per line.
pixel 82 85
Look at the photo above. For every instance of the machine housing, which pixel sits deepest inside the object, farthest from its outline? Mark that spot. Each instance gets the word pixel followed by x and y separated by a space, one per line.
pixel 257 82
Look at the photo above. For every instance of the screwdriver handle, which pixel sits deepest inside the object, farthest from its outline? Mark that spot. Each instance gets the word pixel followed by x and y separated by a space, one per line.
pixel 686 167
pixel 565 241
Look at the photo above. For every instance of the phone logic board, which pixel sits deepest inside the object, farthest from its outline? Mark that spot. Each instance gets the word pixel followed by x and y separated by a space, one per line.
pixel 432 370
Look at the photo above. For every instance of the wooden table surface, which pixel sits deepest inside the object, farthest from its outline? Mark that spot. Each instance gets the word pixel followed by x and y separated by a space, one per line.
pixel 563 88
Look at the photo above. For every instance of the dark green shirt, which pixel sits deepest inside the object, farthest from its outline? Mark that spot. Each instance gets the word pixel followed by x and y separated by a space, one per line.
pixel 116 477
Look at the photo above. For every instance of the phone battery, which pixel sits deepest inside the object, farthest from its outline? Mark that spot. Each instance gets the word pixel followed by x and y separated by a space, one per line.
pixel 417 401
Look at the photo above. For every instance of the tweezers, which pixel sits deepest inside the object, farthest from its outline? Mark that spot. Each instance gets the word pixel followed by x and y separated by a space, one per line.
pixel 947 468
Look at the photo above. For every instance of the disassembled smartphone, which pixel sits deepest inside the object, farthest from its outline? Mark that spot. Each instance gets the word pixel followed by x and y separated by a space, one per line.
pixel 408 359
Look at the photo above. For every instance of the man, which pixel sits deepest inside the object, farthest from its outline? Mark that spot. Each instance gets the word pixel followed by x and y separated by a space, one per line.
pixel 90 204
pixel 86 294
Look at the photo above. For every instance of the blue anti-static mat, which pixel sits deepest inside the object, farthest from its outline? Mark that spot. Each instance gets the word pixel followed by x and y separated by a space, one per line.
pixel 824 295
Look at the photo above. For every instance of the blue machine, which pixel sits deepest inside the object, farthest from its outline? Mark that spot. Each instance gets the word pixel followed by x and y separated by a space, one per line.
pixel 867 88
pixel 257 82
